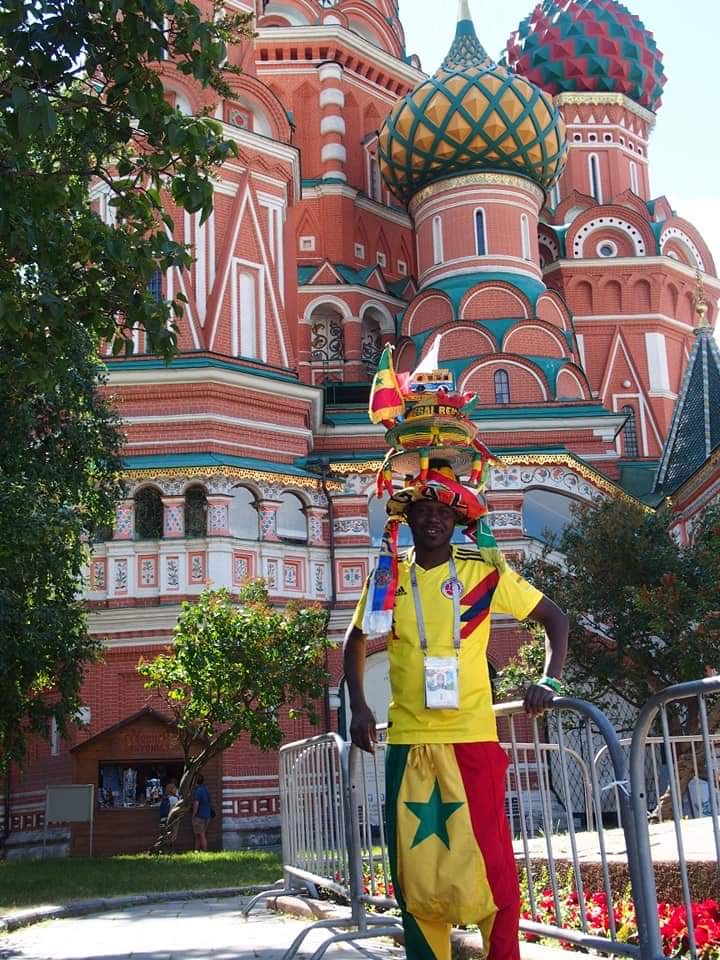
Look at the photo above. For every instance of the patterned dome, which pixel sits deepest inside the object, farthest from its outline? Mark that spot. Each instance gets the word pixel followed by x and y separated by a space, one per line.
pixel 593 46
pixel 473 115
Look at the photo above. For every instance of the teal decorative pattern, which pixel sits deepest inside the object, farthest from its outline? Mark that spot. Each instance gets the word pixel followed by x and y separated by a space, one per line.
pixel 593 46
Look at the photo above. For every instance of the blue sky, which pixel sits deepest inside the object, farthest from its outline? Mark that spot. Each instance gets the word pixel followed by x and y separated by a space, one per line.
pixel 684 149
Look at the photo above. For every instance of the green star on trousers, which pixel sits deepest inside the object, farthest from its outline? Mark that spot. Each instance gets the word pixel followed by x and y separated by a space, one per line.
pixel 433 817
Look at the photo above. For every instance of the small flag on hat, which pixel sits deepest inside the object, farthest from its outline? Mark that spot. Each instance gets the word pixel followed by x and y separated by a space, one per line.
pixel 386 399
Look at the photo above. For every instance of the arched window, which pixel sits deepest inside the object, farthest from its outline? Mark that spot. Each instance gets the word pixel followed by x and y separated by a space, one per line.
pixel 595 182
pixel 634 184
pixel 148 514
pixel 244 519
pixel 502 386
pixel 525 232
pixel 291 519
pixel 546 514
pixel 155 286
pixel 327 343
pixel 371 341
pixel 195 512
pixel 480 233
pixel 437 236
pixel 245 329
pixel 630 436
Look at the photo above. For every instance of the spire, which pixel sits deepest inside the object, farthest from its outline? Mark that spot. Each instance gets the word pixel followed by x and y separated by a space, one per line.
pixel 466 50
pixel 695 428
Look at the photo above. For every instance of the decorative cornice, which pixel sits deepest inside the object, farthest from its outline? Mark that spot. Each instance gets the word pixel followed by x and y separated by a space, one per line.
pixel 511 460
pixel 476 180
pixel 335 33
pixel 234 473
pixel 607 100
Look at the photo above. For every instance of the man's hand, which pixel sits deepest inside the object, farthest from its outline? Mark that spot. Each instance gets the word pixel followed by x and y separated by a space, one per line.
pixel 362 728
pixel 538 699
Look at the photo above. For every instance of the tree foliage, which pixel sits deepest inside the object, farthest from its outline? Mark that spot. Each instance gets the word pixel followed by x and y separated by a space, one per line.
pixel 231 670
pixel 644 611
pixel 81 104
pixel 58 483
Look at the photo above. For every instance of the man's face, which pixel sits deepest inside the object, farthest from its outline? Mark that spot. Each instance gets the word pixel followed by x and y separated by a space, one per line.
pixel 432 523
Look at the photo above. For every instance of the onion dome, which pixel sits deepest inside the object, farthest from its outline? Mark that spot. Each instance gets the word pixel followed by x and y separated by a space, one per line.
pixel 593 46
pixel 471 116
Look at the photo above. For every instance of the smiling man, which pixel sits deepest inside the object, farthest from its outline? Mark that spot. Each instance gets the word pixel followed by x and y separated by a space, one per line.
pixel 449 841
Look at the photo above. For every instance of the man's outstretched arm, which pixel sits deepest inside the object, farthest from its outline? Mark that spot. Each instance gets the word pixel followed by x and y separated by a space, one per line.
pixel 362 721
pixel 555 621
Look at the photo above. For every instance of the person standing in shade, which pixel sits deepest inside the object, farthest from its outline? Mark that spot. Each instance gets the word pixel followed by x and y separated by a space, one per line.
pixel 449 841
pixel 201 813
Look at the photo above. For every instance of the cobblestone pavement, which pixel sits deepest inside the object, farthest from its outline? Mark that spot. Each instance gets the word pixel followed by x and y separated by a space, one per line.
pixel 176 930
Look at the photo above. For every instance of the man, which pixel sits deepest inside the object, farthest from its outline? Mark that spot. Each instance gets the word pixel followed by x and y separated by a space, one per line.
pixel 449 841
pixel 201 813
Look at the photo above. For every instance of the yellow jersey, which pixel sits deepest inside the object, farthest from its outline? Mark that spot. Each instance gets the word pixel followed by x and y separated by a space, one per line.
pixel 483 590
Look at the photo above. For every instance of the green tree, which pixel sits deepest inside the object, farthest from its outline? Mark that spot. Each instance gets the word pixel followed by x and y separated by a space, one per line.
pixel 232 668
pixel 81 104
pixel 58 483
pixel 643 610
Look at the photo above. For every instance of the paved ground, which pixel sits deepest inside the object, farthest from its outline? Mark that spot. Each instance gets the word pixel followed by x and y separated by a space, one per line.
pixel 697 837
pixel 177 930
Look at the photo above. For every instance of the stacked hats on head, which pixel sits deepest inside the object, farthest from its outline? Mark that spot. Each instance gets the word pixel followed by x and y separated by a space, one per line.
pixel 432 443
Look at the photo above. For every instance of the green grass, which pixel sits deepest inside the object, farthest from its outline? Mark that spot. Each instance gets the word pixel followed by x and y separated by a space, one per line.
pixel 26 883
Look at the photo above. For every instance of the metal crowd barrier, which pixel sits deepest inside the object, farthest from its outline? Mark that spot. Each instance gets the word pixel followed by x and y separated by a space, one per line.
pixel 333 799
pixel 694 704
pixel 657 775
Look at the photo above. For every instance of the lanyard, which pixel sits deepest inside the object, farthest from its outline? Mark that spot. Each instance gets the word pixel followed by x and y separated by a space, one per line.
pixel 418 607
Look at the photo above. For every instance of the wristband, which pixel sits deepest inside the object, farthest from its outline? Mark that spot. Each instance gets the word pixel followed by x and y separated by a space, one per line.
pixel 551 682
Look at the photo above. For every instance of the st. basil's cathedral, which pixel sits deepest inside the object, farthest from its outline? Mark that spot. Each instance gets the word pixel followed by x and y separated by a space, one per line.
pixel 497 212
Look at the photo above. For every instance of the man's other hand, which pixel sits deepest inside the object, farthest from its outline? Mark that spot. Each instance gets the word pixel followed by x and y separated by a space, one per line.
pixel 538 699
pixel 362 728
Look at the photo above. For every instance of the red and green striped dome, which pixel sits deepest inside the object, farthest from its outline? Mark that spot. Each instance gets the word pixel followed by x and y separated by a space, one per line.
pixel 588 46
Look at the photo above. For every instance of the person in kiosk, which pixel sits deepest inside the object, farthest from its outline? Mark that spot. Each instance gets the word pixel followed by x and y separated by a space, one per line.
pixel 449 841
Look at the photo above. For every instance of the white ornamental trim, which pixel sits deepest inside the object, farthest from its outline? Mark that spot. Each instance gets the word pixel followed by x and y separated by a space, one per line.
pixel 601 222
pixel 332 97
pixel 333 151
pixel 332 124
pixel 677 233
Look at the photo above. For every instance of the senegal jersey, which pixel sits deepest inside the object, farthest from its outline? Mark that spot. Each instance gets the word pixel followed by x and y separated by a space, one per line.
pixel 483 590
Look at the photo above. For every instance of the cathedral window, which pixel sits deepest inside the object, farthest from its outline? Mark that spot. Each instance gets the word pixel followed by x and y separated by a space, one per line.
pixel 247 333
pixel 243 518
pixel 480 233
pixel 155 286
pixel 502 386
pixel 546 514
pixel 525 231
pixel 148 514
pixel 327 341
pixel 291 519
pixel 195 512
pixel 371 342
pixel 634 183
pixel 595 182
pixel 630 435
pixel 437 237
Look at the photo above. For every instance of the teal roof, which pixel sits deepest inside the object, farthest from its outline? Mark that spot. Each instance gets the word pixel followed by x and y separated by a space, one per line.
pixel 456 287
pixel 695 428
pixel 281 374
pixel 352 416
pixel 637 479
pixel 181 460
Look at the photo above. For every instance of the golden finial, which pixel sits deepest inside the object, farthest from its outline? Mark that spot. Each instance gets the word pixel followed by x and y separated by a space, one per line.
pixel 701 307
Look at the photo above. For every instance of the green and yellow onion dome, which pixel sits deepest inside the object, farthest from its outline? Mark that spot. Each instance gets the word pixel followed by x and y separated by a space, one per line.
pixel 471 116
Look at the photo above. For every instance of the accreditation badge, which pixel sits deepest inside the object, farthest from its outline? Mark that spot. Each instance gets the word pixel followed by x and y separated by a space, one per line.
pixel 442 683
